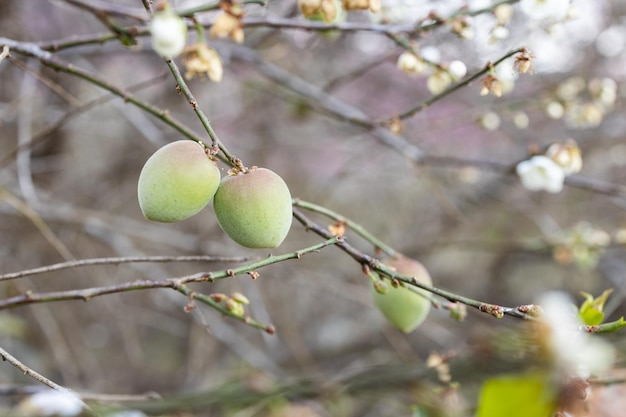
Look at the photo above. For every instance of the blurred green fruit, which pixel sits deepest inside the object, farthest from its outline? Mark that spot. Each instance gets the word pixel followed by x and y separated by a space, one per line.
pixel 176 182
pixel 403 307
pixel 254 208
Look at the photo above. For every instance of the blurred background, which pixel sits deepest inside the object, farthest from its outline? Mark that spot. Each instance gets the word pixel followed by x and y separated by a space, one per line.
pixel 68 190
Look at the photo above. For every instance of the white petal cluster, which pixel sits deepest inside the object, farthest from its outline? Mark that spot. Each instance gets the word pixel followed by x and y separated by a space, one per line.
pixel 169 34
pixel 541 173
pixel 575 353
pixel 546 10
pixel 51 403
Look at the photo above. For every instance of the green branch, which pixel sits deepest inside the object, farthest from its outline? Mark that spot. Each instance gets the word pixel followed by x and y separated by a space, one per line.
pixel 374 264
pixel 178 284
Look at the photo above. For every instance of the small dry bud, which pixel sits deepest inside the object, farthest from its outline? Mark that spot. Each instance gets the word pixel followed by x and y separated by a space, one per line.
pixel 381 287
pixel 462 27
pixel 356 4
pixel 329 10
pixel 491 85
pixel 396 126
pixel 226 25
pixel 309 7
pixel 200 60
pixel 523 63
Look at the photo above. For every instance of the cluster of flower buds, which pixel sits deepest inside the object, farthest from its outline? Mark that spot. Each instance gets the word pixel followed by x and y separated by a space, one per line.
pixel 440 76
pixel 582 104
pixel 547 172
pixel 234 303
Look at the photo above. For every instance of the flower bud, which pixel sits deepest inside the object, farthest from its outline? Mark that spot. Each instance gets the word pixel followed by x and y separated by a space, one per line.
pixel 234 307
pixel 567 155
pixel 411 64
pixel 240 298
pixel 457 70
pixel 309 7
pixel 169 33
pixel 438 81
pixel 227 24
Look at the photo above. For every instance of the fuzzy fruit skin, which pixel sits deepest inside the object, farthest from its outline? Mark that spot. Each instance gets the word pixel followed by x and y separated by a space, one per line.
pixel 176 182
pixel 254 209
pixel 401 306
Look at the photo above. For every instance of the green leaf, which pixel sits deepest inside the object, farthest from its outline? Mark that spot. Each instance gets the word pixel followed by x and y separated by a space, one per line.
pixel 518 395
pixel 591 310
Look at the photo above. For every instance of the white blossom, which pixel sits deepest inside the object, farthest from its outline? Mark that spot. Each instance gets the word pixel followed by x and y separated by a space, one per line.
pixel 541 173
pixel 51 403
pixel 169 34
pixel 411 64
pixel 438 81
pixel 457 69
pixel 567 155
pixel 550 10
pixel 573 351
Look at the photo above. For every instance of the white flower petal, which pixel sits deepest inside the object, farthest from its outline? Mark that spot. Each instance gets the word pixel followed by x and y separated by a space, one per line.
pixel 169 34
pixel 541 173
pixel 574 351
pixel 52 403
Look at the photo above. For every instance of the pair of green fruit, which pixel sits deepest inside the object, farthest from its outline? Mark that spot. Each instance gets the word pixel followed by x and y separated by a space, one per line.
pixel 254 209
pixel 179 180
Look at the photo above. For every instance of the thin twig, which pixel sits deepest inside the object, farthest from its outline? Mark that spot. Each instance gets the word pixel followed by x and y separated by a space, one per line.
pixel 6 356
pixel 184 89
pixel 121 260
pixel 56 63
pixel 455 87
pixel 177 284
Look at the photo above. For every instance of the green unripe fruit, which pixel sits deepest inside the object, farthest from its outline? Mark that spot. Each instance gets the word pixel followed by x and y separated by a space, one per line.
pixel 254 208
pixel 176 182
pixel 401 306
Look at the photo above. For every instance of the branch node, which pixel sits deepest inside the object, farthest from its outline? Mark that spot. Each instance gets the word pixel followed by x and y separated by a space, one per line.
pixel 191 304
pixel 493 309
